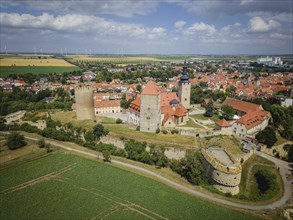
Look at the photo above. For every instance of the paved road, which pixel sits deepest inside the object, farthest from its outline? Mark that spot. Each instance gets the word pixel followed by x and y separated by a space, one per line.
pixel 283 170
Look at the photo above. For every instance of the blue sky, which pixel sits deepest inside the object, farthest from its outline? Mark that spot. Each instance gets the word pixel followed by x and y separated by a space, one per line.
pixel 148 26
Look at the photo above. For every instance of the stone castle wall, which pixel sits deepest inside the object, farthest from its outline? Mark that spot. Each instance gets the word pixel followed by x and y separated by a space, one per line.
pixel 84 103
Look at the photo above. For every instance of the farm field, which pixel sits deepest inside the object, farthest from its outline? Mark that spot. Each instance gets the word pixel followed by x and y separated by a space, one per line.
pixel 64 186
pixel 124 59
pixel 23 61
pixel 21 64
pixel 6 70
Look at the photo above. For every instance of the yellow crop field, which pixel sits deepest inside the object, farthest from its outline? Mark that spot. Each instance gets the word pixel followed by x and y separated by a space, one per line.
pixel 135 59
pixel 23 61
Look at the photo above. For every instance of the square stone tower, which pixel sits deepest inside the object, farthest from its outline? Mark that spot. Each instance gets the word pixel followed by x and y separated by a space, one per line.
pixel 150 108
pixel 184 88
pixel 84 103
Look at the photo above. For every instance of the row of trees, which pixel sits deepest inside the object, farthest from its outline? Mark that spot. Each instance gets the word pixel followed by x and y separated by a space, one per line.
pixel 28 100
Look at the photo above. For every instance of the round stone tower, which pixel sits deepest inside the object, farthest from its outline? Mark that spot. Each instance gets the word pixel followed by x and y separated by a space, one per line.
pixel 84 103
pixel 222 170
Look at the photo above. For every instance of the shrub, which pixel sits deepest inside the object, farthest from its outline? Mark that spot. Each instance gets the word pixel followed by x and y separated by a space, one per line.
pixel 15 141
pixel 174 131
pixel 158 131
pixel 164 132
pixel 138 128
pixel 41 143
pixel 118 121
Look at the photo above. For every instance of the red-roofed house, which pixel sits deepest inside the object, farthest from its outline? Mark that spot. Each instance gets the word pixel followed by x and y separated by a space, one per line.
pixel 251 123
pixel 241 107
pixel 107 106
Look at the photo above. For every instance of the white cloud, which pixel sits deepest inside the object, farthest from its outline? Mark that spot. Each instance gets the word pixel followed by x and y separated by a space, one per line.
pixel 78 24
pixel 257 24
pixel 282 17
pixel 179 24
pixel 121 8
pixel 200 27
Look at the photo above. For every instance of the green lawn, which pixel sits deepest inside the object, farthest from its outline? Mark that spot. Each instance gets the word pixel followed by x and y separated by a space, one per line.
pixel 127 131
pixel 214 118
pixel 64 186
pixel 6 70
pixel 280 140
pixel 248 184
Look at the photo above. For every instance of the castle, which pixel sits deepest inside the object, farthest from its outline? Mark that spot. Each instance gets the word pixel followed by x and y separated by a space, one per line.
pixel 153 108
pixel 222 170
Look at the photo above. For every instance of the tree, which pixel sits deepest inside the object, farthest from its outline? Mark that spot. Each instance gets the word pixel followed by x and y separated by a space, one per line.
pixel 106 155
pixel 41 143
pixel 89 137
pixel 227 112
pixel 15 140
pixel 99 131
pixel 231 91
pixel 267 136
pixel 138 88
pixel 209 110
pixel 192 168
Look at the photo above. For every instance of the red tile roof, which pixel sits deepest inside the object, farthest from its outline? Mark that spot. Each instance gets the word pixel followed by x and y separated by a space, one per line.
pixel 150 89
pixel 166 97
pixel 135 104
pixel 180 111
pixel 223 123
pixel 241 105
pixel 254 118
pixel 107 103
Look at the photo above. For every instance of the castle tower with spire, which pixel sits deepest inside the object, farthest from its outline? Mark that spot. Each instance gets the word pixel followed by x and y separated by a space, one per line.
pixel 184 88
pixel 150 108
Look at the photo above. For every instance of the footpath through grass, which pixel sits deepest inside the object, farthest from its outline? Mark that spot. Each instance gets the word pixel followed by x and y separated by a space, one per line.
pixel 65 186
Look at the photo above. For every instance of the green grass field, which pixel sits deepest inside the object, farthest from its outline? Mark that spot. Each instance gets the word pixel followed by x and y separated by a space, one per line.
pixel 65 186
pixel 6 70
pixel 248 184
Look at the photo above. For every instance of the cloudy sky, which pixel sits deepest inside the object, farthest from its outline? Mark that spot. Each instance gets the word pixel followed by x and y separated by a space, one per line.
pixel 147 26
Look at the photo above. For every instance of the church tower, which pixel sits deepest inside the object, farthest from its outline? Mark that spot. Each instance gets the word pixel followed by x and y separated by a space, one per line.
pixel 184 88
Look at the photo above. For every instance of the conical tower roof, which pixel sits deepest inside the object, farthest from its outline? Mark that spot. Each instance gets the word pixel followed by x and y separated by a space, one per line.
pixel 150 89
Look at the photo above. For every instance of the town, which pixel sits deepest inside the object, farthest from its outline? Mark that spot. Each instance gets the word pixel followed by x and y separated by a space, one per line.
pixel 146 110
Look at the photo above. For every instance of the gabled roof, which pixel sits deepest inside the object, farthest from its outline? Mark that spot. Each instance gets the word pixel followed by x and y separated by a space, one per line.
pixel 166 97
pixel 150 89
pixel 241 105
pixel 180 111
pixel 166 117
pixel 223 123
pixel 254 118
pixel 107 103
